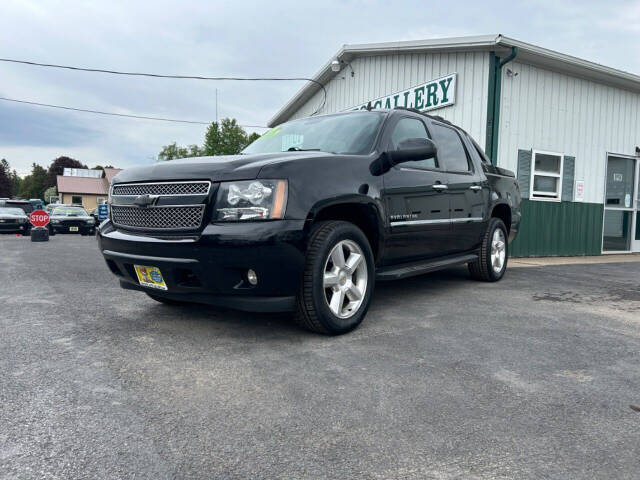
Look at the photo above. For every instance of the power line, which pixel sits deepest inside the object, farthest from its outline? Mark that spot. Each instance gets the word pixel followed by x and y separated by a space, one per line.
pixel 192 77
pixel 114 114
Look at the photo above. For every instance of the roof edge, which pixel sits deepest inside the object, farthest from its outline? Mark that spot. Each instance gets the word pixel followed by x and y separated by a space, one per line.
pixel 526 51
pixel 348 52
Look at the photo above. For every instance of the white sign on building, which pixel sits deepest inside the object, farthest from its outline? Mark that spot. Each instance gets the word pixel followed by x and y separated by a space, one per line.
pixel 579 191
pixel 433 94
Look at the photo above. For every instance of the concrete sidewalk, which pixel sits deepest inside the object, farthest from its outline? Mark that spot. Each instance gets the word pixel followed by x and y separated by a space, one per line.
pixel 582 260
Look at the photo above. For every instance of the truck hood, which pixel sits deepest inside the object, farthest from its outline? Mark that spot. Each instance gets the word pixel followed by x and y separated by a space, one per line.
pixel 219 168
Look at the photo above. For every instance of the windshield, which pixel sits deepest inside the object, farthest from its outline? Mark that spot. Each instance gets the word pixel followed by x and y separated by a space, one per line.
pixel 11 211
pixel 349 134
pixel 70 211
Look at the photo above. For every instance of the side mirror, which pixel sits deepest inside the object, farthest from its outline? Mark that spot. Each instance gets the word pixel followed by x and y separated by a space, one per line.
pixel 413 149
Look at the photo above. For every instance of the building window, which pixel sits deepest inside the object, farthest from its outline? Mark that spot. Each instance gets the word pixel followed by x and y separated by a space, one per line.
pixel 76 199
pixel 546 176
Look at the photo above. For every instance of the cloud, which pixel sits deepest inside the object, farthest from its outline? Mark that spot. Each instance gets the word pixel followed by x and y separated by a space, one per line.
pixel 36 127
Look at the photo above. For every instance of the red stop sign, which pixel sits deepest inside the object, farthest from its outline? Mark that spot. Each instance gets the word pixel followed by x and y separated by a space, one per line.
pixel 39 218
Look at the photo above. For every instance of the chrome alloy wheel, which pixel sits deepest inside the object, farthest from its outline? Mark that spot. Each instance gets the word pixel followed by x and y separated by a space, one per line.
pixel 498 250
pixel 345 279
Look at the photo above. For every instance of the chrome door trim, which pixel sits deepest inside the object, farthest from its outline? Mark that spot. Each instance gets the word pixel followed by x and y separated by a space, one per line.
pixel 435 222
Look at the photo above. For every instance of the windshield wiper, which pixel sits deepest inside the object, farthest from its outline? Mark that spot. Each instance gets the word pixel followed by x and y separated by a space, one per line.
pixel 296 149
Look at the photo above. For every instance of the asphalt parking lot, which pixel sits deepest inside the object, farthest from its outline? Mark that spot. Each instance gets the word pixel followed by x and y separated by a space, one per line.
pixel 532 377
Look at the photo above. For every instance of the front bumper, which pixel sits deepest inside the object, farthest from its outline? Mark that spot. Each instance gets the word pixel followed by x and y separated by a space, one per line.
pixel 13 227
pixel 62 228
pixel 211 267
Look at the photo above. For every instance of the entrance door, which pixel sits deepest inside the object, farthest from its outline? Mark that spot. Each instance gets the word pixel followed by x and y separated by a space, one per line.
pixel 621 230
pixel 635 245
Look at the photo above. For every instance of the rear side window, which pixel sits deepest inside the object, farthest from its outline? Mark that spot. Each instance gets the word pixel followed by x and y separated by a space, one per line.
pixel 408 128
pixel 451 152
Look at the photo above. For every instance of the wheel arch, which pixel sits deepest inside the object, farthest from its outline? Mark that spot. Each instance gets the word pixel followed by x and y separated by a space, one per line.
pixel 503 212
pixel 360 210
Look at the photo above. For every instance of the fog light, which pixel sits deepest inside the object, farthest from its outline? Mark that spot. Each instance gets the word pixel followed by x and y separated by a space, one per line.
pixel 252 277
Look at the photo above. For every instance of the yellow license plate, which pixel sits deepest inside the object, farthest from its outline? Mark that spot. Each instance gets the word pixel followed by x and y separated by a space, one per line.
pixel 150 277
pixel 73 229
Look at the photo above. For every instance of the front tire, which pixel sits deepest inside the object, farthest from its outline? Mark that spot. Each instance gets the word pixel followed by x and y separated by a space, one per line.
pixel 494 253
pixel 338 279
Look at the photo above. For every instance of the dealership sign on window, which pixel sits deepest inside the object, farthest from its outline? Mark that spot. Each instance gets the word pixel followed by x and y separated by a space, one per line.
pixel 433 94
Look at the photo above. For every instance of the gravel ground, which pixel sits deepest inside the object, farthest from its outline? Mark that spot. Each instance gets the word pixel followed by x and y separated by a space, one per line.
pixel 532 377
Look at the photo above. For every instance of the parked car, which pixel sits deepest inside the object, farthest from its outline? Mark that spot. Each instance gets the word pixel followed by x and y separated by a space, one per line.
pixel 25 206
pixel 49 208
pixel 37 203
pixel 67 219
pixel 311 214
pixel 94 214
pixel 13 219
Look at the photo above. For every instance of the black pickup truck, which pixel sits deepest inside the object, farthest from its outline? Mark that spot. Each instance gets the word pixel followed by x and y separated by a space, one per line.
pixel 311 214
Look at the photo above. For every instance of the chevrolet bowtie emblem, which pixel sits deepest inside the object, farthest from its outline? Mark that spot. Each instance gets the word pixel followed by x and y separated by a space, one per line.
pixel 146 200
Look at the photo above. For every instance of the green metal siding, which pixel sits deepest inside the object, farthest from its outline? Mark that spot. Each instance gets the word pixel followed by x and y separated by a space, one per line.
pixel 558 229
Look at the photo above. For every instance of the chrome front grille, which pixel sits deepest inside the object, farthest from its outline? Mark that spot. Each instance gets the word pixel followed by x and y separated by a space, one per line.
pixel 164 188
pixel 178 217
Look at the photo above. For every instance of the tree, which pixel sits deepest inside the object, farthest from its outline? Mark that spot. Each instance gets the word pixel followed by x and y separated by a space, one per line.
pixel 57 168
pixel 16 181
pixel 253 137
pixel 6 185
pixel 173 151
pixel 34 184
pixel 224 138
pixel 50 192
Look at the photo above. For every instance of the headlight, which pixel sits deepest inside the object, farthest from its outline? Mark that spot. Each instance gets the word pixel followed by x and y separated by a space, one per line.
pixel 90 220
pixel 55 221
pixel 251 200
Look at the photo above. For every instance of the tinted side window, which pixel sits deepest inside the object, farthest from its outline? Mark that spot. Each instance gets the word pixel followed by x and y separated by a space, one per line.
pixel 451 153
pixel 411 128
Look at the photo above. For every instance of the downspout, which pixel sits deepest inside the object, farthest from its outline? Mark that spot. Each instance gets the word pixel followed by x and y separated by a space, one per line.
pixel 493 102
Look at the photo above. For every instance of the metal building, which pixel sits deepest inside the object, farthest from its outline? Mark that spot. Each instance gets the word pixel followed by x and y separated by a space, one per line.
pixel 570 128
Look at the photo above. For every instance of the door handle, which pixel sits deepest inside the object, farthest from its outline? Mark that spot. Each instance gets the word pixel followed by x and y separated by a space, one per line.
pixel 439 186
pixel 475 187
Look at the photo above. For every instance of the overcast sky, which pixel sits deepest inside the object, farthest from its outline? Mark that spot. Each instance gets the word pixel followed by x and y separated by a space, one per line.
pixel 262 38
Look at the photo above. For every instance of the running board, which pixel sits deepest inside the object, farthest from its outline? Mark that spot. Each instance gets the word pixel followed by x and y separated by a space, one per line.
pixel 405 270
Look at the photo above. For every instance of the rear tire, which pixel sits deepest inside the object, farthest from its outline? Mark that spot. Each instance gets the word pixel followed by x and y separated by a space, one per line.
pixel 338 280
pixel 494 253
pixel 166 301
